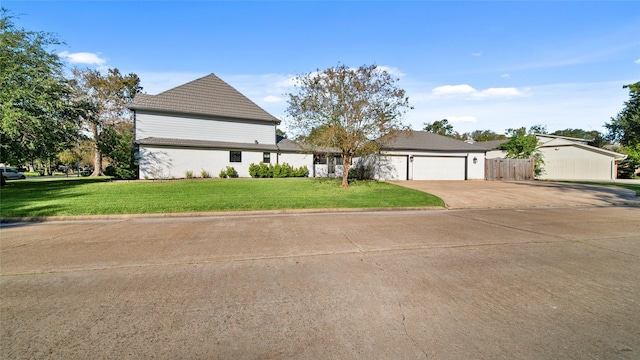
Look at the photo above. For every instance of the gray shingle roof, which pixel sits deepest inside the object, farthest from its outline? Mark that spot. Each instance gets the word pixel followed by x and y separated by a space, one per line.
pixel 208 96
pixel 490 145
pixel 427 141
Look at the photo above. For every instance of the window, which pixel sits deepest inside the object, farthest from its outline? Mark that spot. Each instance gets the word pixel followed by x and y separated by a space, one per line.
pixel 266 157
pixel 320 159
pixel 235 156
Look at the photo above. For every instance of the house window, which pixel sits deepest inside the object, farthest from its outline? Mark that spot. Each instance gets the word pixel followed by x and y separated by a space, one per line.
pixel 338 160
pixel 235 156
pixel 320 159
pixel 266 157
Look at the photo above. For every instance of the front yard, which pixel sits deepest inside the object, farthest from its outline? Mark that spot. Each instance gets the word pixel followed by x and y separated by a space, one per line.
pixel 93 196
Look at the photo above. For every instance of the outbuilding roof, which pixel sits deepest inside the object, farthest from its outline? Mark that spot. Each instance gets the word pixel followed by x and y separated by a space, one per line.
pixel 428 141
pixel 207 96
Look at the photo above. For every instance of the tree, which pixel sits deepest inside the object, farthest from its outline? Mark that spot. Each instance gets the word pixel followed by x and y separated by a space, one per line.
pixel 107 96
pixel 523 145
pixel 116 143
pixel 441 127
pixel 483 135
pixel 625 127
pixel 39 117
pixel 354 110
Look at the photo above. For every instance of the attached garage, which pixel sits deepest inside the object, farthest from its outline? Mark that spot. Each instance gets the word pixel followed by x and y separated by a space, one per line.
pixel 438 168
pixel 420 155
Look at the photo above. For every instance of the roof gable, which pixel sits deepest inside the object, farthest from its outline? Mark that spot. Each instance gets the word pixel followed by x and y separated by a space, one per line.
pixel 208 96
pixel 558 142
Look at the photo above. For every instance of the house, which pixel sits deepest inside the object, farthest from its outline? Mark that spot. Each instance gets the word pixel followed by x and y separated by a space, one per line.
pixel 567 158
pixel 207 125
pixel 421 155
pixel 204 125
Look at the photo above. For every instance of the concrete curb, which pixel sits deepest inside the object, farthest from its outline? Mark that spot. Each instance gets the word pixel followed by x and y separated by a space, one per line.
pixel 207 214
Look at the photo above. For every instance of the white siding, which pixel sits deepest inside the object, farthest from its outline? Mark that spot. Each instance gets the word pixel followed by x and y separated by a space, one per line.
pixel 391 167
pixel 296 160
pixel 574 163
pixel 173 163
pixel 475 171
pixel 195 128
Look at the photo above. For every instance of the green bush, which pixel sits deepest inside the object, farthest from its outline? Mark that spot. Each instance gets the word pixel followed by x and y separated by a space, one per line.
pixel 188 174
pixel 120 173
pixel 204 174
pixel 263 170
pixel 229 172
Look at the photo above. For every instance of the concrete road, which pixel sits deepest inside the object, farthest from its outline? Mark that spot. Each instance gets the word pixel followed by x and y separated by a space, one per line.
pixel 519 194
pixel 535 283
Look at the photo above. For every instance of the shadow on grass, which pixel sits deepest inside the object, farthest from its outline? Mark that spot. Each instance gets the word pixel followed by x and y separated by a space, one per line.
pixel 29 198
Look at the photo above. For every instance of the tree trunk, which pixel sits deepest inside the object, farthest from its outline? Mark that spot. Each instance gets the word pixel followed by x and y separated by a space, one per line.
pixel 346 164
pixel 97 155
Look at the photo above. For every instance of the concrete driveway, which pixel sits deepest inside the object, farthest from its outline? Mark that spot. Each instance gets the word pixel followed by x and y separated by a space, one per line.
pixel 552 283
pixel 507 194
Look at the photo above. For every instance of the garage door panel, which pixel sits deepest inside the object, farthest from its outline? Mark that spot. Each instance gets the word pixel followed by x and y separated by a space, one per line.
pixel 439 168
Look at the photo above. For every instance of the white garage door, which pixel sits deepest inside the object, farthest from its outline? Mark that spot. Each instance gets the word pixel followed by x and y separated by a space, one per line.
pixel 439 168
pixel 392 168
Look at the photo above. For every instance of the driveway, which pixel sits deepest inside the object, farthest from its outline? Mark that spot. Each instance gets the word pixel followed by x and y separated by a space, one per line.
pixel 464 284
pixel 522 194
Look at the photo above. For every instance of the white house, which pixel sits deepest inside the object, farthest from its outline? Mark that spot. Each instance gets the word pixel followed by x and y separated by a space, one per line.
pixel 203 125
pixel 207 125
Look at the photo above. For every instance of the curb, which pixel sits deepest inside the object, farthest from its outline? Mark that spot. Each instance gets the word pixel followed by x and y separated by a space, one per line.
pixel 34 219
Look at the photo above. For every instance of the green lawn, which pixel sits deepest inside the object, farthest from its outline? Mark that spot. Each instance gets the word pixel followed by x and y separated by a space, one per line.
pixel 88 196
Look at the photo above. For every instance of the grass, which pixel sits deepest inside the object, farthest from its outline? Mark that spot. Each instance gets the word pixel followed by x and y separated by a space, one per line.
pixel 92 196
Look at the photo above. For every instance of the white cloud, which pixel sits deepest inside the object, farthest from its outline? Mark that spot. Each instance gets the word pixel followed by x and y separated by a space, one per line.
pixel 469 91
pixel 83 58
pixel 392 70
pixel 499 93
pixel 454 90
pixel 637 61
pixel 477 54
pixel 505 76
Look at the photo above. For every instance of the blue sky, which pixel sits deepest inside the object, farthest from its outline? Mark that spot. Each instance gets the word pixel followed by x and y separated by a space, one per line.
pixel 479 64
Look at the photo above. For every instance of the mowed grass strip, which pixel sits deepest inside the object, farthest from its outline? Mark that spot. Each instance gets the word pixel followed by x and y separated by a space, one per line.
pixel 89 196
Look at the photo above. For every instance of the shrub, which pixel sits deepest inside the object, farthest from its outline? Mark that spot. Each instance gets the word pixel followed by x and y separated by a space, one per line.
pixel 120 173
pixel 229 172
pixel 204 174
pixel 188 174
pixel 263 170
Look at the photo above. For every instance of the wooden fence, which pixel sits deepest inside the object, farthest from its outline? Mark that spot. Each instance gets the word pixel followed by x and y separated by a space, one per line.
pixel 508 169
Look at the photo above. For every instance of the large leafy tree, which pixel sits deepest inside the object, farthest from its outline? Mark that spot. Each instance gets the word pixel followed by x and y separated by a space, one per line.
pixel 624 129
pixel 347 109
pixel 39 117
pixel 482 135
pixel 107 96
